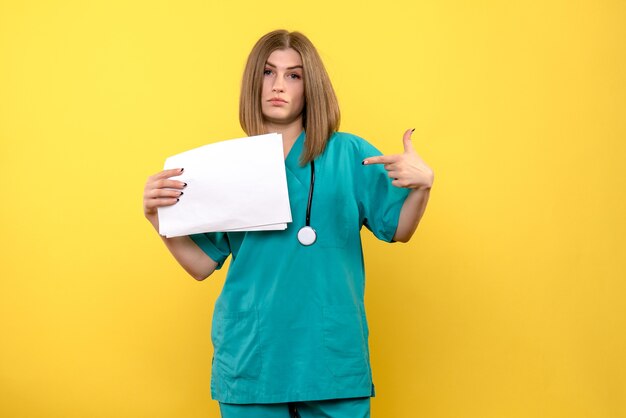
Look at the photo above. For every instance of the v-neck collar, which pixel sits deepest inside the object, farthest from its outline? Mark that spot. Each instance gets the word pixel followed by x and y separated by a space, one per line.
pixel 292 162
pixel 293 157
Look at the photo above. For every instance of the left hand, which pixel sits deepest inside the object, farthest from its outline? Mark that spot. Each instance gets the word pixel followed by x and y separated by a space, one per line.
pixel 407 170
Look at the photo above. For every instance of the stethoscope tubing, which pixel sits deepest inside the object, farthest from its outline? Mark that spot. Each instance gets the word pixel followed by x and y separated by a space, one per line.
pixel 307 235
pixel 310 201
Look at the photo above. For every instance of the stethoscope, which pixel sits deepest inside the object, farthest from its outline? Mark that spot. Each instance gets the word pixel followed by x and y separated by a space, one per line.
pixel 306 234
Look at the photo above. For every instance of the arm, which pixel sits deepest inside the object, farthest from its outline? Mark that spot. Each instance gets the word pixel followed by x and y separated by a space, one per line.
pixel 412 211
pixel 408 170
pixel 160 191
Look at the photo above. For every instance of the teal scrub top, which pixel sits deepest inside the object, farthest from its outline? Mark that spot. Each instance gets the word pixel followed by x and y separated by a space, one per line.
pixel 289 324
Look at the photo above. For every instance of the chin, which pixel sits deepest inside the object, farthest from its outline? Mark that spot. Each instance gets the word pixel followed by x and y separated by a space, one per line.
pixel 277 118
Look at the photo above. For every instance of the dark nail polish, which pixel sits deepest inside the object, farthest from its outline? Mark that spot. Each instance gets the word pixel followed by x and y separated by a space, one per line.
pixel 363 162
pixel 178 200
pixel 412 130
pixel 185 185
pixel 181 193
pixel 182 169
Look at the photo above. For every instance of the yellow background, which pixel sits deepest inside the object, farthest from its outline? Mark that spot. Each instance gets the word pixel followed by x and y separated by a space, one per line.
pixel 509 301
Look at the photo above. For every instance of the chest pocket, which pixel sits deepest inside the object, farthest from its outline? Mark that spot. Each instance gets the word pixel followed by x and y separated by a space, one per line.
pixel 330 217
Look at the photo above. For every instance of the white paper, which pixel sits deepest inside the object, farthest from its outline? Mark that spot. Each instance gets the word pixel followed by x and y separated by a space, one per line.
pixel 234 185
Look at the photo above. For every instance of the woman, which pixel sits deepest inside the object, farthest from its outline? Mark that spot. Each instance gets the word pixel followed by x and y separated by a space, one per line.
pixel 289 327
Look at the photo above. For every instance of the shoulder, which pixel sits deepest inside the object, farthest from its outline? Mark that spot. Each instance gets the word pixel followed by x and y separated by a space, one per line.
pixel 346 142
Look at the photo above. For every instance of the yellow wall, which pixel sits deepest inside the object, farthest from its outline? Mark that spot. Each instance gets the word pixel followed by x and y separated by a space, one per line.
pixel 509 302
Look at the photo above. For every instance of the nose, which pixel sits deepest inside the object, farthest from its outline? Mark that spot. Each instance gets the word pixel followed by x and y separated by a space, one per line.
pixel 278 86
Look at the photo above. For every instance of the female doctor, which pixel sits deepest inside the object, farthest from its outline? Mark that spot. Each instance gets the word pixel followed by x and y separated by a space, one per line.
pixel 289 329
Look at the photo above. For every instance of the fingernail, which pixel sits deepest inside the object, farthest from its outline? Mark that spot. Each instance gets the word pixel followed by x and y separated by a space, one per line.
pixel 412 130
pixel 181 193
pixel 182 169
pixel 364 162
pixel 185 185
pixel 178 200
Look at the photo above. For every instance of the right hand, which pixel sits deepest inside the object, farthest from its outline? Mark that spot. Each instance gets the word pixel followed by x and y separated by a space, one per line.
pixel 161 191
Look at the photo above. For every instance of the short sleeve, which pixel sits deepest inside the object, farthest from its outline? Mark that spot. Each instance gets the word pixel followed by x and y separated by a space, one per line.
pixel 215 245
pixel 380 202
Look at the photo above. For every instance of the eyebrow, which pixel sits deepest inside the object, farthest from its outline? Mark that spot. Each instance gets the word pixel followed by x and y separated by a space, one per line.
pixel 289 68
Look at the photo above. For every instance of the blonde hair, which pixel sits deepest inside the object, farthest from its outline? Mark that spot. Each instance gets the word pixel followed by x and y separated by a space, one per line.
pixel 321 110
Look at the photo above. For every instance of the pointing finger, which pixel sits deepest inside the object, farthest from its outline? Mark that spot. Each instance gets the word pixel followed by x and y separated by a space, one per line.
pixel 381 159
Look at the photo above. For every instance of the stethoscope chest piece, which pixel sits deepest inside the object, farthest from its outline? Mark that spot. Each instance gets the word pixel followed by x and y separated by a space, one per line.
pixel 307 235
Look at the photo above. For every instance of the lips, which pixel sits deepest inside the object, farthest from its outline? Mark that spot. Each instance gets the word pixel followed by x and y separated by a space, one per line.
pixel 277 100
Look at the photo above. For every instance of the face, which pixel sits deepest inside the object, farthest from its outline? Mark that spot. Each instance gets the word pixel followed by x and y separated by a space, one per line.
pixel 282 98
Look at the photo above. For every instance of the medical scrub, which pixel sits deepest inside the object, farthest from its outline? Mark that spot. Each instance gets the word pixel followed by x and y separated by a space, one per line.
pixel 289 324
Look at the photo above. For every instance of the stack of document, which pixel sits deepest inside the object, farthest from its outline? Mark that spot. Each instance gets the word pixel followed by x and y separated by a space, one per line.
pixel 234 185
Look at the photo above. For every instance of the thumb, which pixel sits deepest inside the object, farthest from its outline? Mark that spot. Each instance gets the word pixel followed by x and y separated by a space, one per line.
pixel 406 139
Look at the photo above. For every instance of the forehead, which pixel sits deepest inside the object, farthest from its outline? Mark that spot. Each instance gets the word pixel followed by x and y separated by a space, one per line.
pixel 285 58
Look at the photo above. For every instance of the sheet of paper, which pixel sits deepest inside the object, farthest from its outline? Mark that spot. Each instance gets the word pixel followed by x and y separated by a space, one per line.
pixel 234 185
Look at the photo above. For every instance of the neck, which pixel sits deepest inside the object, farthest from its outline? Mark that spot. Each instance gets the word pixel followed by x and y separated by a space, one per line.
pixel 290 132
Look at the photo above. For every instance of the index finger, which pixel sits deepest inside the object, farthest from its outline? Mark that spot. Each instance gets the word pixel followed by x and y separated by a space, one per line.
pixel 381 159
pixel 168 173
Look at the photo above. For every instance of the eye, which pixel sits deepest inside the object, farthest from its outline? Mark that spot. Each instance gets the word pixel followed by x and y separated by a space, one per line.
pixel 267 72
pixel 294 76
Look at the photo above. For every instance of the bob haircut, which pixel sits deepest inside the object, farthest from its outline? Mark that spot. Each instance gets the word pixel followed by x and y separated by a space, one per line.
pixel 321 110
